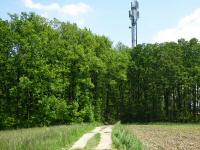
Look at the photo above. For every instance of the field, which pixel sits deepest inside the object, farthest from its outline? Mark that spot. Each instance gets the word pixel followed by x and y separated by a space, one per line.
pixel 125 137
pixel 46 138
pixel 167 136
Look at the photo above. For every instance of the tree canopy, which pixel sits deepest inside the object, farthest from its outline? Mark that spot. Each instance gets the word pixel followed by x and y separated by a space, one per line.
pixel 52 72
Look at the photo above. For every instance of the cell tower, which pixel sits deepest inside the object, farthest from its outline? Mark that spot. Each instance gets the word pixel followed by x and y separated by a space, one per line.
pixel 134 16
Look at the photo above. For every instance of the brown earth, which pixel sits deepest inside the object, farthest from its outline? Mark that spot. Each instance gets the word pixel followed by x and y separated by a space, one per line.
pixel 168 137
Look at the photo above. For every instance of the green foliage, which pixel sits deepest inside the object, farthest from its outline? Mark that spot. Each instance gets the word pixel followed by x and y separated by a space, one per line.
pixel 123 140
pixel 53 72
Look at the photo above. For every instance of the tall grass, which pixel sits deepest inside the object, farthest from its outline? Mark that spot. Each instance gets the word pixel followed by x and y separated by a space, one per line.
pixel 46 138
pixel 123 140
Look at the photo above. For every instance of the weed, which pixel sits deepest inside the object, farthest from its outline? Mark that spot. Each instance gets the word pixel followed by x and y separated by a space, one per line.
pixel 123 140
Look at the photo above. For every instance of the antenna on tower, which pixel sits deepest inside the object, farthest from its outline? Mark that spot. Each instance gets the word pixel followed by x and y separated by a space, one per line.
pixel 134 16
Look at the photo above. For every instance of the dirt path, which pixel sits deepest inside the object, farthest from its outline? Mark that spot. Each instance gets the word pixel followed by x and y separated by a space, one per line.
pixel 81 143
pixel 105 142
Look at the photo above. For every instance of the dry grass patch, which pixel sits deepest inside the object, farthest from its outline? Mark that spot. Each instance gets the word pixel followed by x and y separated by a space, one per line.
pixel 168 137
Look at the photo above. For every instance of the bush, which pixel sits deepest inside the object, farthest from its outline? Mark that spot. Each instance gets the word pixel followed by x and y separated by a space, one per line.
pixel 10 122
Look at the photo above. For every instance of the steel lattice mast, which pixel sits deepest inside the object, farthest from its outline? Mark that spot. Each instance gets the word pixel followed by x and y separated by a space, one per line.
pixel 134 16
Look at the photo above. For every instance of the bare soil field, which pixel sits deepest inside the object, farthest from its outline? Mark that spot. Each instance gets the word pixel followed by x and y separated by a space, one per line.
pixel 168 137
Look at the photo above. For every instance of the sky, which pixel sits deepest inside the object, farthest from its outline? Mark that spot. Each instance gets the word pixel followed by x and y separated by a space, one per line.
pixel 160 20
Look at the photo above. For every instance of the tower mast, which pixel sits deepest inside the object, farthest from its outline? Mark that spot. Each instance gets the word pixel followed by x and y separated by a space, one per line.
pixel 134 16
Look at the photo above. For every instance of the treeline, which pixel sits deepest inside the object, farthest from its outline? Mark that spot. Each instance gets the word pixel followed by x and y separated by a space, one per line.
pixel 164 82
pixel 53 72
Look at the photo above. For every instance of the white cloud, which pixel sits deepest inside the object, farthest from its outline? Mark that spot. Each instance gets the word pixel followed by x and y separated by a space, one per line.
pixel 69 9
pixel 188 27
pixel 45 14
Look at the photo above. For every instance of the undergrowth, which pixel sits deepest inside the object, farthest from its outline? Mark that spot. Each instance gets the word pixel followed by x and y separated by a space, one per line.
pixel 123 140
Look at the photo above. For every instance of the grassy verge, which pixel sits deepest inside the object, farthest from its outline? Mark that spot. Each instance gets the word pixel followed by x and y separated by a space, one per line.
pixel 92 143
pixel 123 140
pixel 47 138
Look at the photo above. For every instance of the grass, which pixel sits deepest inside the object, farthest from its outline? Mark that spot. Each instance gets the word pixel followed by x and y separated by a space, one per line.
pixel 93 142
pixel 46 138
pixel 167 135
pixel 123 140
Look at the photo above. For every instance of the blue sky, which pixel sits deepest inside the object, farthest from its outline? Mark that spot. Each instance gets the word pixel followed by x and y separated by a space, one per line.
pixel 160 20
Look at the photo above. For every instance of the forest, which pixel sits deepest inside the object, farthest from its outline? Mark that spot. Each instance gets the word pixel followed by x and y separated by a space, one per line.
pixel 52 72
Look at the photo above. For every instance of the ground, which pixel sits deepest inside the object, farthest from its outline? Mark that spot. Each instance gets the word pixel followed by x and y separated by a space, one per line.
pixel 153 136
pixel 105 142
pixel 168 137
